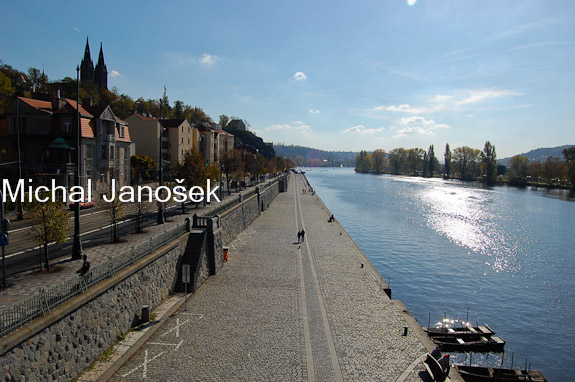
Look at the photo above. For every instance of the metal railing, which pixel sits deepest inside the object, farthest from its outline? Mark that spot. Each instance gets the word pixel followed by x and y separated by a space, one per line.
pixel 39 304
pixel 45 299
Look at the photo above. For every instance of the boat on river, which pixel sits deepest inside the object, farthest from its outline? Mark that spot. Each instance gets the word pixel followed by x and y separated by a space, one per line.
pixel 490 374
pixel 463 332
pixel 480 344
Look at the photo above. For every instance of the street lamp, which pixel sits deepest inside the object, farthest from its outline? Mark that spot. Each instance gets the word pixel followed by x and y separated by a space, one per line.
pixel 20 215
pixel 77 246
pixel 161 219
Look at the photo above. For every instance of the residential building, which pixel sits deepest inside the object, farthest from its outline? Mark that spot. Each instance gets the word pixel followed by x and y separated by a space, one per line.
pixel 47 134
pixel 214 142
pixel 178 136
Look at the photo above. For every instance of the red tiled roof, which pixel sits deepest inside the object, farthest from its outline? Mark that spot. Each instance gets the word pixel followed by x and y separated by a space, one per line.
pixel 144 118
pixel 44 106
pixel 87 127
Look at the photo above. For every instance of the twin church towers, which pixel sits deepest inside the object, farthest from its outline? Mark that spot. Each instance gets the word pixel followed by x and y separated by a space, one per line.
pixel 88 73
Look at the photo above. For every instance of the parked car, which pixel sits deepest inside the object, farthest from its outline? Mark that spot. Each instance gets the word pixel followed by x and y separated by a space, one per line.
pixel 87 203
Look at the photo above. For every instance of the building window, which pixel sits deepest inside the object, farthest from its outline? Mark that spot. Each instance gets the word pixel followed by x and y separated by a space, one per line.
pixel 182 140
pixel 66 125
pixel 88 151
pixel 188 141
pixel 121 131
pixel 182 128
pixel 126 154
pixel 111 153
pixel 104 152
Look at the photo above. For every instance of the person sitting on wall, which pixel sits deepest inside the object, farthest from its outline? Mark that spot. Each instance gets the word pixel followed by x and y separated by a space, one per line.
pixel 331 219
pixel 85 266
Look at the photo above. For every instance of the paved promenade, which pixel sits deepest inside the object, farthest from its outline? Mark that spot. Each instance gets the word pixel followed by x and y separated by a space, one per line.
pixel 280 310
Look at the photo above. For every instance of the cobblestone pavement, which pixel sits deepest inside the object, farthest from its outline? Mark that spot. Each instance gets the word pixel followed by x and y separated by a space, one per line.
pixel 280 310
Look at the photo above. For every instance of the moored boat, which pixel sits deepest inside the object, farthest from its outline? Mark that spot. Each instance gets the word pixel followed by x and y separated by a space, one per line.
pixel 487 374
pixel 480 344
pixel 462 332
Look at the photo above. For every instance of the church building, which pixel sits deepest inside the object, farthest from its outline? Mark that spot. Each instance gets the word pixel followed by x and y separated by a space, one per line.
pixel 99 75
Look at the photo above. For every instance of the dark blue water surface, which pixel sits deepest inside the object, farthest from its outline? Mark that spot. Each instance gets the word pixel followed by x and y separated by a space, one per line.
pixel 505 254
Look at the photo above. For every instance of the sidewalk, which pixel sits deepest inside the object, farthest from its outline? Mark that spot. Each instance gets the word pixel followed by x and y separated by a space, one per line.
pixel 280 310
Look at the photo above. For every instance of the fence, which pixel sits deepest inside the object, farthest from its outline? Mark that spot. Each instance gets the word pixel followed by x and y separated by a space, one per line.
pixel 42 302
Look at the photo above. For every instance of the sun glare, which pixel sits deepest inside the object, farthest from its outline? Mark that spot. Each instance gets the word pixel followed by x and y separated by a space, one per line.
pixel 411 2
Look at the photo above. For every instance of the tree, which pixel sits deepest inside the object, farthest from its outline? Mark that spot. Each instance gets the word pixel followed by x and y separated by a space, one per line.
pixel 464 157
pixel 143 167
pixel 49 224
pixel 379 161
pixel 224 120
pixel 6 92
pixel 489 162
pixel 397 158
pixel 116 210
pixel 193 169
pixel 299 161
pixel 518 170
pixel 231 165
pixel 569 155
pixel 414 158
pixel 178 109
pixel 431 160
pixel 447 159
pixel 363 162
pixel 38 79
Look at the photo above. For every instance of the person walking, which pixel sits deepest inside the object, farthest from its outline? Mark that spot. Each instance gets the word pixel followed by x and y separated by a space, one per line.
pixel 298 236
pixel 302 235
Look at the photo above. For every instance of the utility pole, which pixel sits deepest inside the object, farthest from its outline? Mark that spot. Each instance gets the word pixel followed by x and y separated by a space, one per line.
pixel 77 245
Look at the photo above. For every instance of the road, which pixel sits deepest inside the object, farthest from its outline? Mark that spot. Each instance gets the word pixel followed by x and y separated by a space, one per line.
pixel 24 253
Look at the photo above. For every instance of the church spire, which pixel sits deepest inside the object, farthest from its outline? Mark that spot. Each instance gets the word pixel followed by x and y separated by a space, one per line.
pixel 101 72
pixel 87 66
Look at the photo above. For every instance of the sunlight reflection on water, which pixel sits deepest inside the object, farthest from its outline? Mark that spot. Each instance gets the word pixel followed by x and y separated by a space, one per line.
pixel 465 217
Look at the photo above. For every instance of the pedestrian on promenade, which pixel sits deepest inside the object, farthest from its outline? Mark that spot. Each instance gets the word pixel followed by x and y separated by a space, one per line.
pixel 298 236
pixel 302 235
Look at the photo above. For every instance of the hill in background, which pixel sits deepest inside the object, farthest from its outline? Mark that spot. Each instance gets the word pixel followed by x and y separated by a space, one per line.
pixel 540 154
pixel 307 156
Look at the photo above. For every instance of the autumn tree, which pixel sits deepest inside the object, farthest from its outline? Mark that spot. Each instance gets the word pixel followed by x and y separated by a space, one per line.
pixel 363 162
pixel 142 167
pixel 379 161
pixel 49 224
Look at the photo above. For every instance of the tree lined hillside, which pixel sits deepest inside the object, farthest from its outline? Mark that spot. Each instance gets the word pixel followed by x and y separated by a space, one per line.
pixel 307 156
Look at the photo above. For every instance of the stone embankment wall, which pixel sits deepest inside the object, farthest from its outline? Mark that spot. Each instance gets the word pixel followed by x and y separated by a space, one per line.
pixel 71 336
pixel 87 325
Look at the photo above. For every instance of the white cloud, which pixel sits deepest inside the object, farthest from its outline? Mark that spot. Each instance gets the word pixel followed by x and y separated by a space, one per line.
pixel 295 125
pixel 209 59
pixel 478 96
pixel 312 111
pixel 360 129
pixel 114 74
pixel 299 76
pixel 404 132
pixel 441 102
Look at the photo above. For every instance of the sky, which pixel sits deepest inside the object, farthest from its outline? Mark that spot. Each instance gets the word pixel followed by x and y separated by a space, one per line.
pixel 334 75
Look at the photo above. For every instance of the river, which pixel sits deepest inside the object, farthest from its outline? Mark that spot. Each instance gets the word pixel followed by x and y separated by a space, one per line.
pixel 505 255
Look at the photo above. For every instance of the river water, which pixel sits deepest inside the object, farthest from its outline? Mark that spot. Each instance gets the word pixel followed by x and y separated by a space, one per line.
pixel 500 256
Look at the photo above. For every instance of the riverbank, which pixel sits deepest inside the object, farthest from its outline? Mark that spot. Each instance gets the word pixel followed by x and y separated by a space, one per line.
pixel 285 310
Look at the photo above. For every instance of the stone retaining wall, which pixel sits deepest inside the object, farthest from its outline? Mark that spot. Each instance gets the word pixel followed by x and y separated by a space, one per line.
pixel 65 348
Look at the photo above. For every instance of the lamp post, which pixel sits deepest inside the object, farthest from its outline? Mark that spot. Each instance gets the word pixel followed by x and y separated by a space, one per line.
pixel 20 215
pixel 161 219
pixel 2 226
pixel 77 245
